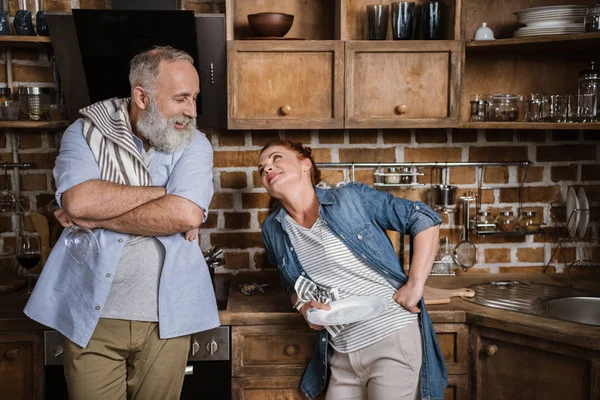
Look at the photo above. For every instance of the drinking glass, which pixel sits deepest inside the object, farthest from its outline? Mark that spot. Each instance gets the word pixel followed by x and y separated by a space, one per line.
pixel 377 15
pixel 403 19
pixel 82 244
pixel 28 254
pixel 535 108
pixel 7 198
pixel 555 108
pixel 431 20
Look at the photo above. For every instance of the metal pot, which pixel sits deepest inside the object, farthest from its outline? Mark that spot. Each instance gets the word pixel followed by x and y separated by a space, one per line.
pixel 444 195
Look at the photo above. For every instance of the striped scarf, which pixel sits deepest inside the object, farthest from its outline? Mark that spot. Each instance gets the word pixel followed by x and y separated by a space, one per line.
pixel 107 130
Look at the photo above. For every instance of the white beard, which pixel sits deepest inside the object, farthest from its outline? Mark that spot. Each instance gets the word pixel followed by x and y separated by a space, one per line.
pixel 161 132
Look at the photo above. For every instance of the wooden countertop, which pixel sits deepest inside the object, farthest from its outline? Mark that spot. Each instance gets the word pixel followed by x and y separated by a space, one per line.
pixel 274 308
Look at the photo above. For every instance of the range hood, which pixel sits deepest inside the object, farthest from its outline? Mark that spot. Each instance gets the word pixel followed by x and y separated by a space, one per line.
pixel 93 49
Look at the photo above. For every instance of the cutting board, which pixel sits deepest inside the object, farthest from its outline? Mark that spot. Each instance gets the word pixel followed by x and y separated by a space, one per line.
pixel 443 296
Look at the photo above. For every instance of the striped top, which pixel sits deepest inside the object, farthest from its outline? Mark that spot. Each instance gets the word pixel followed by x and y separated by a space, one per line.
pixel 330 264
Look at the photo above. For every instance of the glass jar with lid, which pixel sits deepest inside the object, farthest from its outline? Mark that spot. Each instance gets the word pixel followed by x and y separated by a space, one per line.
pixel 478 107
pixel 392 176
pixel 485 222
pixel 34 103
pixel 506 221
pixel 589 85
pixel 503 107
pixel 529 221
pixel 405 176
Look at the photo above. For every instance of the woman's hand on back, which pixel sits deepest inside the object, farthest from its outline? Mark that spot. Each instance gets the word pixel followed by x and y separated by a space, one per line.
pixel 313 304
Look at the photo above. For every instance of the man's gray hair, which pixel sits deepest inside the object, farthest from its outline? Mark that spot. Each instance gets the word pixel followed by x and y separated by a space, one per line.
pixel 144 66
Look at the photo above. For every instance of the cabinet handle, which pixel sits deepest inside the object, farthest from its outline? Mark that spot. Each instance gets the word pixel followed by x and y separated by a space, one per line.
pixel 401 108
pixel 491 349
pixel 285 110
pixel 11 354
pixel 291 350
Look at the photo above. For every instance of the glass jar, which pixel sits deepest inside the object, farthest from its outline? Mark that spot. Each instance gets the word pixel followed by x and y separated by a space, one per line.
pixel 392 176
pixel 485 222
pixel 34 103
pixel 405 177
pixel 503 107
pixel 506 221
pixel 478 106
pixel 589 84
pixel 592 20
pixel 529 222
pixel 5 94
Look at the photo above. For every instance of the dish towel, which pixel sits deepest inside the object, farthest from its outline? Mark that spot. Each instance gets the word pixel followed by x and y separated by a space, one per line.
pixel 307 290
pixel 107 130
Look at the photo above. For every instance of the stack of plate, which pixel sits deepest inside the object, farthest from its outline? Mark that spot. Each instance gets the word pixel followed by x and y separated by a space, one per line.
pixel 550 20
pixel 578 212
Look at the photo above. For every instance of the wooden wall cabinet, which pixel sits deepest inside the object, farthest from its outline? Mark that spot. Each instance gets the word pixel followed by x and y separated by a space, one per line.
pixel 21 365
pixel 416 83
pixel 513 366
pixel 285 84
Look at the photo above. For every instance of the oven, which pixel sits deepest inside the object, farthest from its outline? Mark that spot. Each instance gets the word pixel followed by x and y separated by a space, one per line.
pixel 207 374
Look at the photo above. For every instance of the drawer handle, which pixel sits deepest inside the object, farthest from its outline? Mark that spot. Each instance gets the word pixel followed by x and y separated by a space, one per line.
pixel 491 349
pixel 401 108
pixel 11 354
pixel 285 110
pixel 291 350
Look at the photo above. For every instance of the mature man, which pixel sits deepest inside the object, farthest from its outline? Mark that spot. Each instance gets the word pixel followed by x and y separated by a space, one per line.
pixel 139 174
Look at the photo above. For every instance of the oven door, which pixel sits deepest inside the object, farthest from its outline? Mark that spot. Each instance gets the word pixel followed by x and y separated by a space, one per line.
pixel 207 374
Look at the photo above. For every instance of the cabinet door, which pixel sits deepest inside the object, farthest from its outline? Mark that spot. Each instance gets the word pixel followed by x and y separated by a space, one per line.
pixel 454 342
pixel 457 388
pixel 283 387
pixel 510 366
pixel 408 84
pixel 271 350
pixel 21 366
pixel 285 84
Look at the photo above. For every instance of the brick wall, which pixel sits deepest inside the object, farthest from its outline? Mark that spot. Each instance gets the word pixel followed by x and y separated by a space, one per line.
pixel 561 158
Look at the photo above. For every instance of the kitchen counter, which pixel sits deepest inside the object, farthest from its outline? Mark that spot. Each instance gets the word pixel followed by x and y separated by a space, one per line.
pixel 274 308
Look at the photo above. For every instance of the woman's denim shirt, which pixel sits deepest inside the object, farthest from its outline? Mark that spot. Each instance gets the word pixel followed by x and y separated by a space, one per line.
pixel 359 215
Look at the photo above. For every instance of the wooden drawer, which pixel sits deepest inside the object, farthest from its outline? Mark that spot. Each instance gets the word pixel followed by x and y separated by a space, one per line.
pixel 285 85
pixel 21 365
pixel 454 342
pixel 389 84
pixel 283 387
pixel 458 388
pixel 273 350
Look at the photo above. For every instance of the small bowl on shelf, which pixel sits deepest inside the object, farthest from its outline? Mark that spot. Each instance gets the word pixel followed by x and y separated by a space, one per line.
pixel 270 24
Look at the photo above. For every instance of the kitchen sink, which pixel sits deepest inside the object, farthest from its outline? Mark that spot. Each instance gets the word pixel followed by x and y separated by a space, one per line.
pixel 550 301
pixel 584 310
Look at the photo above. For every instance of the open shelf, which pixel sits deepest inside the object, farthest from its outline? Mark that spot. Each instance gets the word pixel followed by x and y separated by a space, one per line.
pixel 563 43
pixel 531 125
pixel 503 233
pixel 20 41
pixel 33 124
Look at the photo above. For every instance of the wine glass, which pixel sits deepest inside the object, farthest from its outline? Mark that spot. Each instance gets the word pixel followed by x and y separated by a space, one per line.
pixel 28 254
pixel 81 244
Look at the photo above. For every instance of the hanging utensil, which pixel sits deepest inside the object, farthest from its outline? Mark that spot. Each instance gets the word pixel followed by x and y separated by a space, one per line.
pixel 465 252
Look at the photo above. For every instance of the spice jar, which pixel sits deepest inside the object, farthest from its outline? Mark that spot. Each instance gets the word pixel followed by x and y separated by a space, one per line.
pixel 405 177
pixel 589 85
pixel 503 107
pixel 392 176
pixel 529 221
pixel 506 221
pixel 485 222
pixel 478 106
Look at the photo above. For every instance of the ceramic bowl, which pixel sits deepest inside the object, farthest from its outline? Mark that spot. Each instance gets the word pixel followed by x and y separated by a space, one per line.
pixel 270 24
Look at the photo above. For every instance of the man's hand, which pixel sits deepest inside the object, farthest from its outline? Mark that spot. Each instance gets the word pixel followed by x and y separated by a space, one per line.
pixel 67 221
pixel 308 306
pixel 408 296
pixel 191 235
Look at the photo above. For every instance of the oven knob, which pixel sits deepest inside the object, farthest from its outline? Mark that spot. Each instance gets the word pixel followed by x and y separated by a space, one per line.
pixel 212 347
pixel 195 347
pixel 58 352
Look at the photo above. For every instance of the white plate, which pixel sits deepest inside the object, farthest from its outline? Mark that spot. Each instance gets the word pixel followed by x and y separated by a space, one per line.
pixel 572 215
pixel 552 27
pixel 551 8
pixel 551 24
pixel 584 219
pixel 347 311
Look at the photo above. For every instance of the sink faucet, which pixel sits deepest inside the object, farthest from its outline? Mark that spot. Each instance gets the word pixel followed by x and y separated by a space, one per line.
pixel 211 256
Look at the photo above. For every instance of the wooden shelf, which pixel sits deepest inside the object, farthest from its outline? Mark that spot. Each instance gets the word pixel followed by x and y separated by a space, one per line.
pixel 560 43
pixel 33 124
pixel 20 41
pixel 531 125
